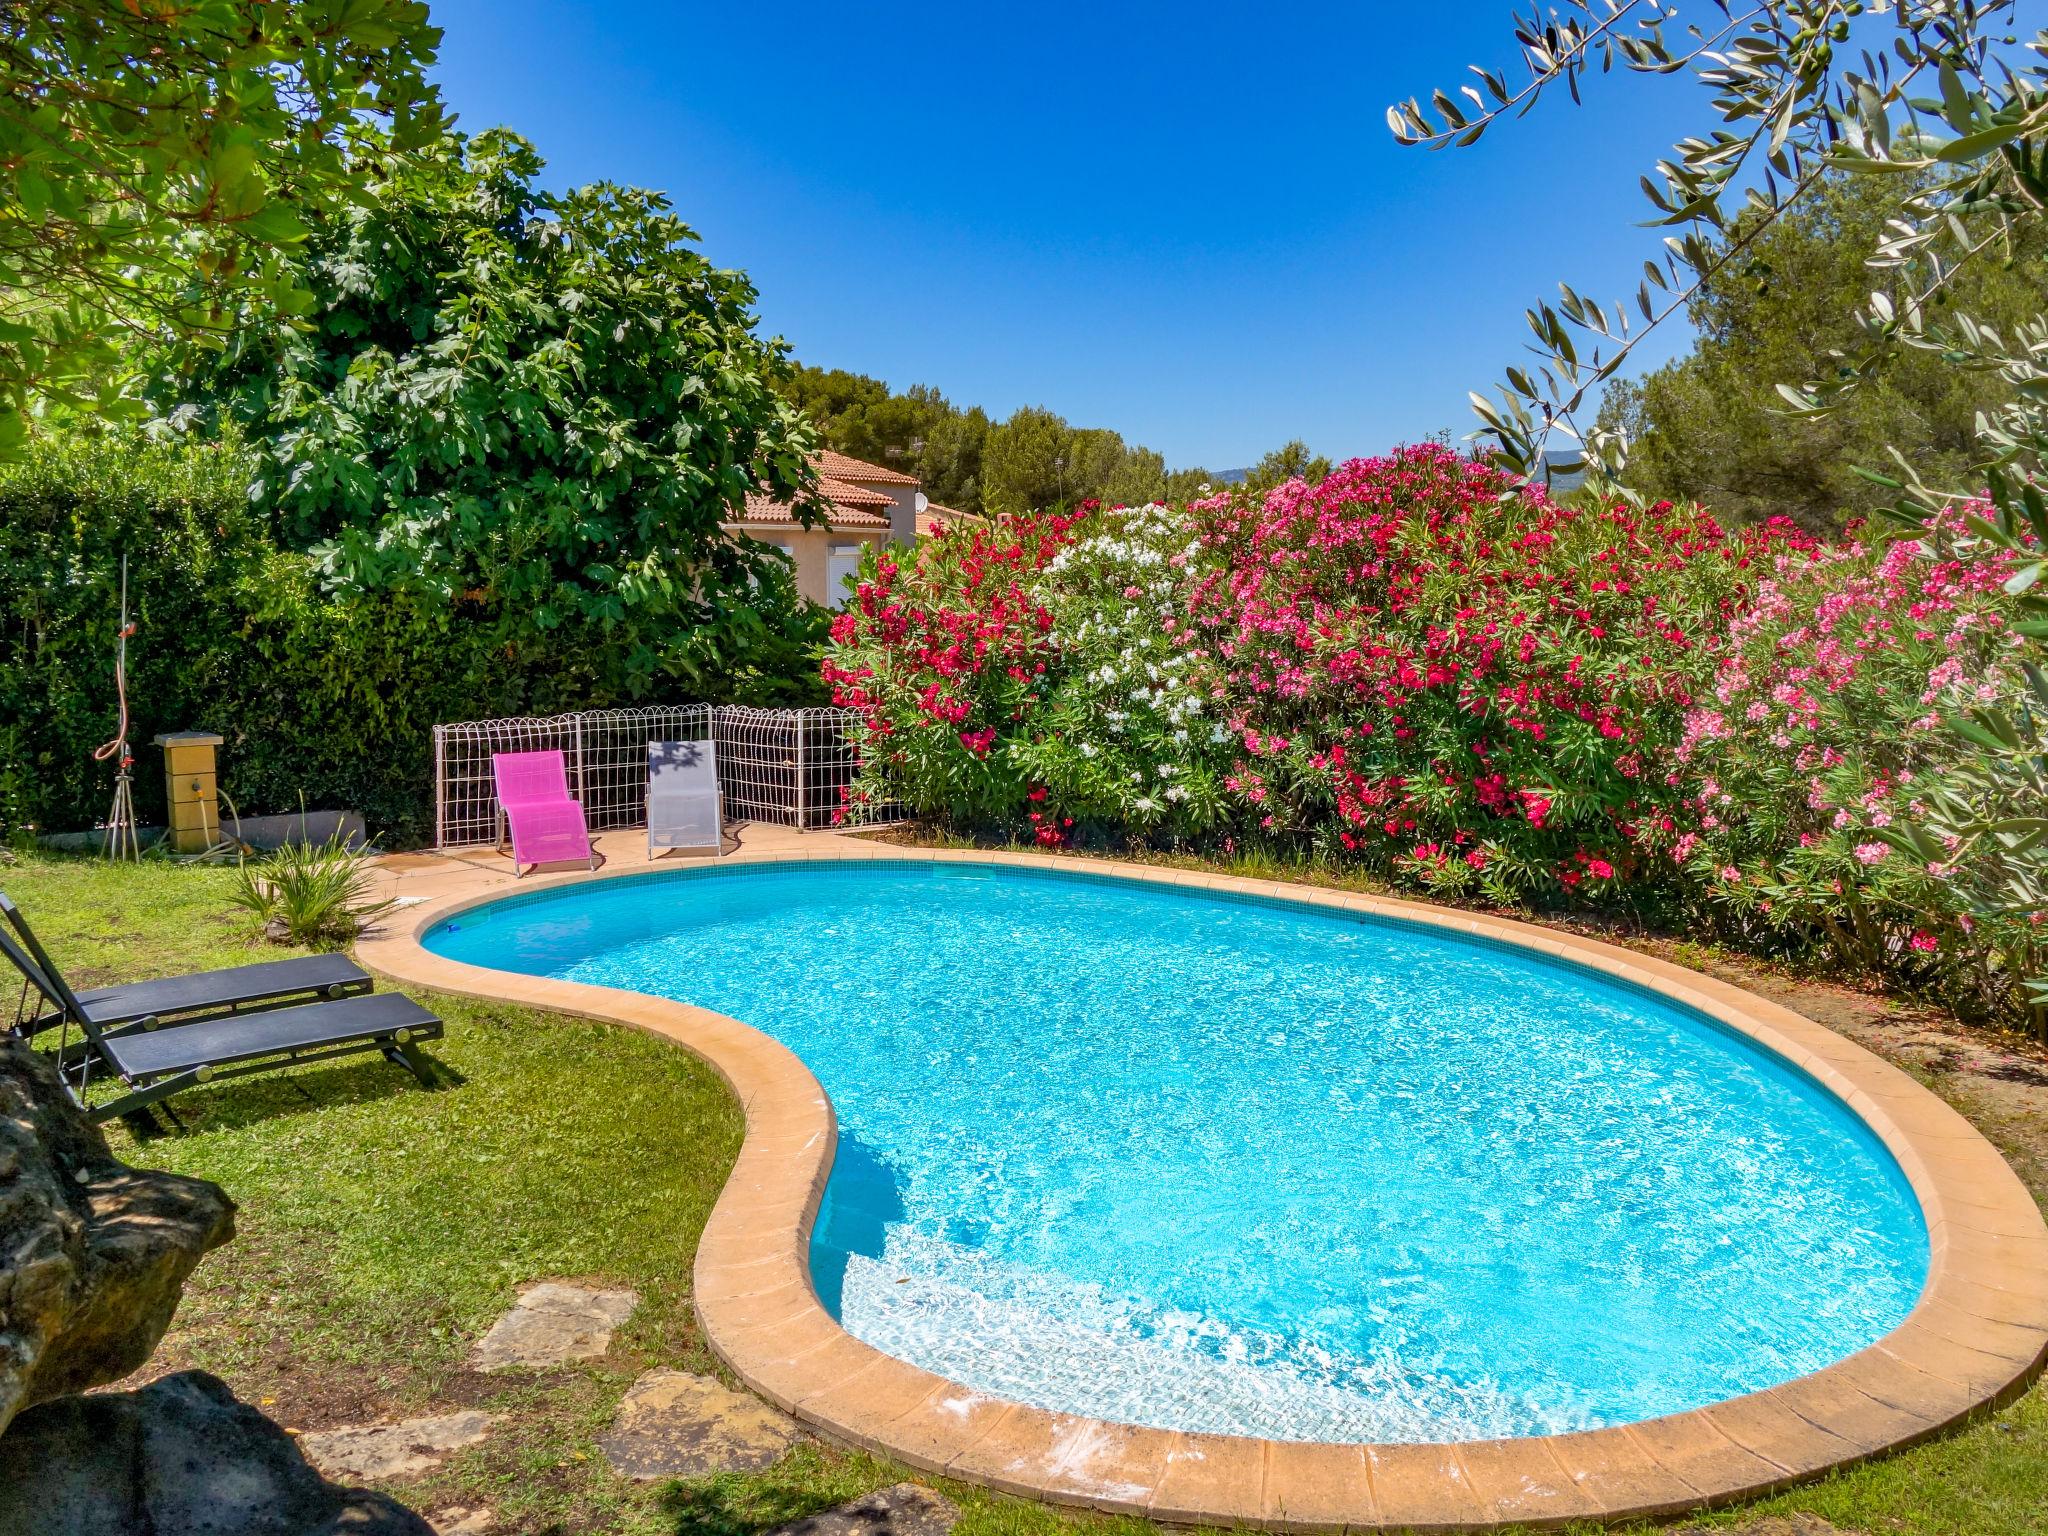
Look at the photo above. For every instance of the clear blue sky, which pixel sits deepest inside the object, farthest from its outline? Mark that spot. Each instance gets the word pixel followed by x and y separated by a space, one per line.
pixel 1187 222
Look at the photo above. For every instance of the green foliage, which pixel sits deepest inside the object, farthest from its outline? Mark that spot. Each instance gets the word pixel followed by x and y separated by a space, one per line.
pixel 1944 113
pixel 1290 461
pixel 1712 427
pixel 321 895
pixel 1191 485
pixel 534 410
pixel 156 163
pixel 950 465
pixel 859 416
pixel 326 697
pixel 68 511
pixel 1034 461
pixel 1025 464
pixel 485 477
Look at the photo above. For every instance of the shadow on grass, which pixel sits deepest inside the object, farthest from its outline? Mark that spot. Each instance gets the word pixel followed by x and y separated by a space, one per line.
pixel 734 1505
pixel 281 1095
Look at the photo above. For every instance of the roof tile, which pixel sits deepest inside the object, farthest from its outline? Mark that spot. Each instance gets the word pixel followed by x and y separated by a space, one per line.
pixel 845 467
pixel 851 506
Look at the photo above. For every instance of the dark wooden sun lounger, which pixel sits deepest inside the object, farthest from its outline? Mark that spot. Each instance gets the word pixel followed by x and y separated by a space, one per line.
pixel 156 1059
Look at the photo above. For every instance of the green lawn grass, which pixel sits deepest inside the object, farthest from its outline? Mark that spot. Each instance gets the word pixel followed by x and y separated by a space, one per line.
pixel 383 1227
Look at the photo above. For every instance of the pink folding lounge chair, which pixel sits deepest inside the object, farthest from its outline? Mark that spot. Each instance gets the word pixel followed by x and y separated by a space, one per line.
pixel 533 798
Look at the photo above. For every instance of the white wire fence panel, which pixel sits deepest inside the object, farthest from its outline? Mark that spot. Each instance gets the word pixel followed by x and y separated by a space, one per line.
pixel 793 767
pixel 603 750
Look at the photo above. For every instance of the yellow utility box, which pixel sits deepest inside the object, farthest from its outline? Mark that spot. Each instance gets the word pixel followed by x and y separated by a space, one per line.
pixel 190 789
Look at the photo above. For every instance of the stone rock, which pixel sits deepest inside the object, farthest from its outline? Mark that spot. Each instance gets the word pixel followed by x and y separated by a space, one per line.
pixel 458 1521
pixel 903 1510
pixel 181 1457
pixel 552 1323
pixel 93 1253
pixel 673 1424
pixel 405 1449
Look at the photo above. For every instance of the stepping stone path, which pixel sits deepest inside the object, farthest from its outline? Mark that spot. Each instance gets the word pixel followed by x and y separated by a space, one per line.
pixel 373 1452
pixel 552 1323
pixel 904 1510
pixel 457 1521
pixel 673 1424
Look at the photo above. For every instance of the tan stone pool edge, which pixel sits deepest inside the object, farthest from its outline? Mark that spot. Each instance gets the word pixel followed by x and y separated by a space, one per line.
pixel 1977 1338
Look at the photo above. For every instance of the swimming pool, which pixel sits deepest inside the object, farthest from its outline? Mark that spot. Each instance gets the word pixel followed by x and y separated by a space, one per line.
pixel 1167 1159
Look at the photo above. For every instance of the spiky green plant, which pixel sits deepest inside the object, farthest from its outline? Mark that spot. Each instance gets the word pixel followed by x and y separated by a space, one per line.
pixel 316 894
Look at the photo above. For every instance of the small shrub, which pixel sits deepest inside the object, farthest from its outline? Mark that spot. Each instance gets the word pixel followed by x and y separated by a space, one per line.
pixel 315 894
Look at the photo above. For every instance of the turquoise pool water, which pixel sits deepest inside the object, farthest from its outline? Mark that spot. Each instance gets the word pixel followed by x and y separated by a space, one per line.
pixel 1168 1159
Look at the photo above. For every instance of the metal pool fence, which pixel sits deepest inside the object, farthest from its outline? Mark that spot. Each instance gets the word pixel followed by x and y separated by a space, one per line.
pixel 787 766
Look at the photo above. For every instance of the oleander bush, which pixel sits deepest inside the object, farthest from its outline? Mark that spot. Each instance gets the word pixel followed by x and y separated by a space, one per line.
pixel 1459 681
pixel 1424 669
pixel 1825 737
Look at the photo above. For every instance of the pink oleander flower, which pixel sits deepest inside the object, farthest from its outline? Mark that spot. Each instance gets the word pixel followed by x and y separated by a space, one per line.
pixel 1871 853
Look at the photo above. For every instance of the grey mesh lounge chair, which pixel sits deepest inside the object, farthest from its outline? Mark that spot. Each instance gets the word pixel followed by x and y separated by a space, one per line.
pixel 683 805
pixel 155 1063
pixel 203 995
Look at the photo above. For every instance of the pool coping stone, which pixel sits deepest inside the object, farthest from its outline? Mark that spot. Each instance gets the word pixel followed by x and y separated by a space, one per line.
pixel 1976 1339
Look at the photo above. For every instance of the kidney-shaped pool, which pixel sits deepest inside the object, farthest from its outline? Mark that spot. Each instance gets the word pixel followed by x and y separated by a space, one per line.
pixel 1165 1158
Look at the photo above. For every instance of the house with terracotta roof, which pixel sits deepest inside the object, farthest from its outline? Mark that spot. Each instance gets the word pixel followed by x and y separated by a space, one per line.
pixel 867 505
pixel 937 519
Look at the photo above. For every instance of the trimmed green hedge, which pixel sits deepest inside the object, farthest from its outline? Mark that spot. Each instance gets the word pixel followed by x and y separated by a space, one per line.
pixel 328 698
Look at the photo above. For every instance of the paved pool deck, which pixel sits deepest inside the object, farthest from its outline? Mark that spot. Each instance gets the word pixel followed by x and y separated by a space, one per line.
pixel 1977 1338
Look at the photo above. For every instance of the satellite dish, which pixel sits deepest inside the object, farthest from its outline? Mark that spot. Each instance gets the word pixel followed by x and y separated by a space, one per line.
pixel 922 502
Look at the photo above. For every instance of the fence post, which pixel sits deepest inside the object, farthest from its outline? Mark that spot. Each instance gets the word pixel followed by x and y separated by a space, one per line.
pixel 803 799
pixel 578 718
pixel 440 787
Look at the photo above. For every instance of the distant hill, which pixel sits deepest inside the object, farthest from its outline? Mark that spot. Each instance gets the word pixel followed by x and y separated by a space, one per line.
pixel 1561 479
